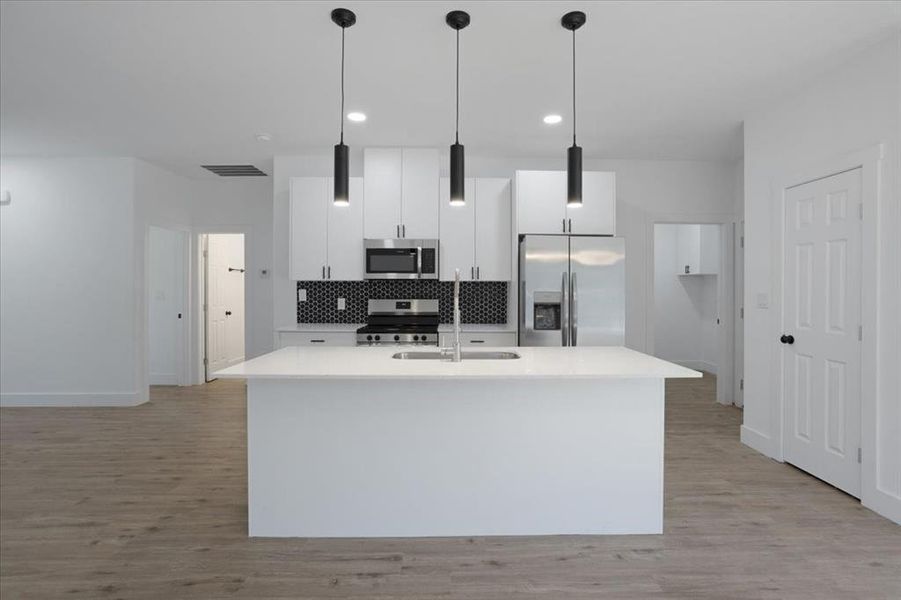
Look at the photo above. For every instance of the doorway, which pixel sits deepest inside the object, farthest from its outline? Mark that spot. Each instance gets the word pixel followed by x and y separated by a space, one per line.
pixel 821 328
pixel 223 290
pixel 690 312
pixel 167 259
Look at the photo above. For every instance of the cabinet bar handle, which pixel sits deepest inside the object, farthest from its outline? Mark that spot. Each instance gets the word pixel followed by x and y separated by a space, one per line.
pixel 403 230
pixel 397 227
pixel 476 341
pixel 472 272
pixel 317 341
pixel 323 271
pixel 570 225
pixel 329 272
pixel 564 225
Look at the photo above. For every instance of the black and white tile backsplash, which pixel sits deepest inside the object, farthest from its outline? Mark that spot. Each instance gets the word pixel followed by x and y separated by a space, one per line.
pixel 482 302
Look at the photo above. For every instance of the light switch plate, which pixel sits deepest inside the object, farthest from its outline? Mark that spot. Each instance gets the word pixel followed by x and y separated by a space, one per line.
pixel 301 295
pixel 342 303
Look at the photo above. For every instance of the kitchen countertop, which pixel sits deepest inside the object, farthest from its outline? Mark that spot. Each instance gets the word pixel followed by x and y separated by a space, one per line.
pixel 443 328
pixel 607 362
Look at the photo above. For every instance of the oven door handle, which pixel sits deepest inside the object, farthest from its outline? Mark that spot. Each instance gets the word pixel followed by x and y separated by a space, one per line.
pixel 419 262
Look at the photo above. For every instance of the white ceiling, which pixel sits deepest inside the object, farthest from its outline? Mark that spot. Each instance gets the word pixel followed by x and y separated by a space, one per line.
pixel 193 82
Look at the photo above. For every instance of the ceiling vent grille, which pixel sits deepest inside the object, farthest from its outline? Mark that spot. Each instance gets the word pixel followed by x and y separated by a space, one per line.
pixel 235 170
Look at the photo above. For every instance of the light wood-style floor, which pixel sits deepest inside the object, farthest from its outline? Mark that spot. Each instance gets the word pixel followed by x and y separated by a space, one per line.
pixel 149 502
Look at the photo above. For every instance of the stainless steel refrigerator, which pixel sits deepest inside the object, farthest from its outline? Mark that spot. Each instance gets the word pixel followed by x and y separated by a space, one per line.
pixel 572 290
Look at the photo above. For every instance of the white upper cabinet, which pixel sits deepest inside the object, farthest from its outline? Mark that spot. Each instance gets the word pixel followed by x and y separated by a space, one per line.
pixel 326 241
pixel 382 182
pixel 493 206
pixel 458 242
pixel 476 237
pixel 345 234
pixel 698 249
pixel 597 215
pixel 308 218
pixel 541 203
pixel 401 192
pixel 419 214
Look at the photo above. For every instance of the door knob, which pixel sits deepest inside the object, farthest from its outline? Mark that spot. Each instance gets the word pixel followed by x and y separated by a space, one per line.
pixel 787 339
pixel 228 313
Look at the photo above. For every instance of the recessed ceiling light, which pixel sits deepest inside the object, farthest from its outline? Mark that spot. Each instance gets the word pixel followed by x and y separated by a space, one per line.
pixel 552 119
pixel 356 117
pixel 264 137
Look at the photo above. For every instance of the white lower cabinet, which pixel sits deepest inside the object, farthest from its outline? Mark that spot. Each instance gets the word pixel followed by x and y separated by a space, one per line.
pixel 476 339
pixel 316 338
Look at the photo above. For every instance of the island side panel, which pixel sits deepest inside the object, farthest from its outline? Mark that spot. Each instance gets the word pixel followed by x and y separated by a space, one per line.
pixel 455 457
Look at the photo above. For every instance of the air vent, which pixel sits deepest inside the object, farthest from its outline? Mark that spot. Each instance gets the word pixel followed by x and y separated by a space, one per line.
pixel 235 170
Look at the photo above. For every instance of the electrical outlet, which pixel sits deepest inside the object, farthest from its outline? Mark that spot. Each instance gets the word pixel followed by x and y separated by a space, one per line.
pixel 301 295
pixel 342 303
pixel 264 273
pixel 763 301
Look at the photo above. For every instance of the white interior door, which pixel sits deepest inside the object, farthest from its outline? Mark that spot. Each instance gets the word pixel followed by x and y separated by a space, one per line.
pixel 225 300
pixel 821 314
pixel 166 265
pixel 738 386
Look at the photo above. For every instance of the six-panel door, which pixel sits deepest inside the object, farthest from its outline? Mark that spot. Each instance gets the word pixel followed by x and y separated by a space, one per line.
pixel 820 337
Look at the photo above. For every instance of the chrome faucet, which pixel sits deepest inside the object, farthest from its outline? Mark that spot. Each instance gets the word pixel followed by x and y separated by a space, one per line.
pixel 457 354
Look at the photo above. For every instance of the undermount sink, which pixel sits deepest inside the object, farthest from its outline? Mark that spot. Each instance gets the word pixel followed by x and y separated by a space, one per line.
pixel 447 356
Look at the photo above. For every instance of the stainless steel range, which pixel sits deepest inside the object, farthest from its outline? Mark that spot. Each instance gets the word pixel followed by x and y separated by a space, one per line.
pixel 400 322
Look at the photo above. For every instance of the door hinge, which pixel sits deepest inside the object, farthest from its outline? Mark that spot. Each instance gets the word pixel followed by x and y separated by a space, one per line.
pixel 204 361
pixel 860 210
pixel 860 333
pixel 741 312
pixel 741 384
pixel 742 241
pixel 204 308
pixel 859 455
pixel 205 253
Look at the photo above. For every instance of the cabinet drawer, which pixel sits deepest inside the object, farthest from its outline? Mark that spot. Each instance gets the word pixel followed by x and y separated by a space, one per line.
pixel 316 338
pixel 473 339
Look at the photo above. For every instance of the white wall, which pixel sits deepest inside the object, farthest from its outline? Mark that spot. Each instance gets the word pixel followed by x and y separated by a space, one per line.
pixel 853 107
pixel 67 298
pixel 685 308
pixel 73 255
pixel 646 190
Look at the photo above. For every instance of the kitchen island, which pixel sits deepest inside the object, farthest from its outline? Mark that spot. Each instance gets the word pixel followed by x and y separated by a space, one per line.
pixel 352 442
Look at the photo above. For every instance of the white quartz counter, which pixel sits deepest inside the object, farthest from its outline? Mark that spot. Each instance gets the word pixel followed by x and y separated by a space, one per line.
pixel 376 363
pixel 443 328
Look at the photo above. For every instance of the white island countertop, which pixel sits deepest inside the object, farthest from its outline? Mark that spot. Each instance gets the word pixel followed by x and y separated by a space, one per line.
pixel 297 362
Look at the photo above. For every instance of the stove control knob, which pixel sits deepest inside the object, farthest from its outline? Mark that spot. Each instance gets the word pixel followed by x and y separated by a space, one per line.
pixel 423 338
pixel 397 338
pixel 415 338
pixel 378 337
pixel 368 338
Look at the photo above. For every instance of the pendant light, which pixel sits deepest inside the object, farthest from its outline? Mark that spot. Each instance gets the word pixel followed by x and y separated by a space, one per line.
pixel 457 20
pixel 343 18
pixel 572 21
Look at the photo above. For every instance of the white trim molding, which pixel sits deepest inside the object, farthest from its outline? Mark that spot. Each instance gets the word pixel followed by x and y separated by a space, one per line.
pixel 871 163
pixel 74 400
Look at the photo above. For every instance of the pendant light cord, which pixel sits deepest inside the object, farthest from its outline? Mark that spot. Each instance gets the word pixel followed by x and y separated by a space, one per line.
pixel 574 87
pixel 457 126
pixel 341 116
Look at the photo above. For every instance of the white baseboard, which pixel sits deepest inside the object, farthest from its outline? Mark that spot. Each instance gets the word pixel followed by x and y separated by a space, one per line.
pixel 758 441
pixel 77 399
pixel 163 379
pixel 883 503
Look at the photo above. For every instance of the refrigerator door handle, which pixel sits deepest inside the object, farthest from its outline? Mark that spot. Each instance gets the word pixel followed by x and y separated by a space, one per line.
pixel 564 309
pixel 574 309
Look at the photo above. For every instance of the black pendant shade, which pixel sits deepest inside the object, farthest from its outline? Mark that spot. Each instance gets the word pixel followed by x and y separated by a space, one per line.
pixel 574 176
pixel 342 174
pixel 343 18
pixel 572 21
pixel 457 175
pixel 457 20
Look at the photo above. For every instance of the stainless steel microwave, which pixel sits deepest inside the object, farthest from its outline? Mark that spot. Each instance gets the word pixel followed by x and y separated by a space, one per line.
pixel 401 259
